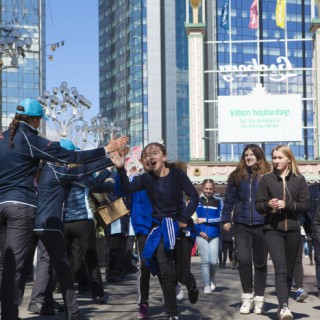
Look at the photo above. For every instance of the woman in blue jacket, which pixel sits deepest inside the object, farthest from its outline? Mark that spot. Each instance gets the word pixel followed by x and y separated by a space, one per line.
pixel 249 239
pixel 21 150
pixel 208 231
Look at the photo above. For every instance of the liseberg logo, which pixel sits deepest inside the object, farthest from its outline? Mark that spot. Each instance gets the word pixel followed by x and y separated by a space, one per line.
pixel 277 72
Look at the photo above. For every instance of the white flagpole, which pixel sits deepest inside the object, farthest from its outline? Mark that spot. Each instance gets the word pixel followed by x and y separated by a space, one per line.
pixel 258 39
pixel 230 44
pixel 286 41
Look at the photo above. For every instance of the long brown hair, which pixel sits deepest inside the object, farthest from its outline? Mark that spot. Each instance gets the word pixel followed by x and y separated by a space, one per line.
pixel 14 125
pixel 168 164
pixel 258 169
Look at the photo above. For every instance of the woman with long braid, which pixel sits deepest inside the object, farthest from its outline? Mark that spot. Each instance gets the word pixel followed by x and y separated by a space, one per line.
pixel 20 153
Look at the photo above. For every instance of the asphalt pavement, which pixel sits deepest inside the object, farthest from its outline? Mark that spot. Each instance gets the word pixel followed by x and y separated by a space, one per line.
pixel 223 303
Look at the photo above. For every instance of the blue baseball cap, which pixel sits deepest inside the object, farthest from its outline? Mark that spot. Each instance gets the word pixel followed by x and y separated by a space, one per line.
pixel 68 144
pixel 32 108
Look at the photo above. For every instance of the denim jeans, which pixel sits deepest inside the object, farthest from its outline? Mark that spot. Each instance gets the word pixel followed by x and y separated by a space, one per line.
pixel 209 253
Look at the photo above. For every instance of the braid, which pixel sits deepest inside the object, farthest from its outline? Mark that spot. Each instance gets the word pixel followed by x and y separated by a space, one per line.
pixel 14 125
pixel 13 129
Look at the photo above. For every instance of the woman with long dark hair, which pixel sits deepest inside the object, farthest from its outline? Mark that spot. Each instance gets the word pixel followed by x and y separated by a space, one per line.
pixel 248 226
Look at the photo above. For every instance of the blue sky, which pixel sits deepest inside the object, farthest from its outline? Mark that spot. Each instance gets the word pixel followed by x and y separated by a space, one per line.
pixel 76 22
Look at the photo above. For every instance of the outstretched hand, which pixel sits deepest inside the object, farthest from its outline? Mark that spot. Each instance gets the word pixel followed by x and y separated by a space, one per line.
pixel 117 159
pixel 116 144
pixel 1 136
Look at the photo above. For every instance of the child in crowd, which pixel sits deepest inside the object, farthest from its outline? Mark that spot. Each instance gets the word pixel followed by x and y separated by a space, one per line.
pixel 208 231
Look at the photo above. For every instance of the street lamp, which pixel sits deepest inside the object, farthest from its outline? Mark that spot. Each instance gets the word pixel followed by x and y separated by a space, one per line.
pixel 13 44
pixel 64 106
pixel 98 129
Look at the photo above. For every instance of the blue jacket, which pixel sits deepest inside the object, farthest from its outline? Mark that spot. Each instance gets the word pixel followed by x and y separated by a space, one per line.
pixel 167 230
pixel 140 209
pixel 18 165
pixel 77 205
pixel 52 191
pixel 210 209
pixel 241 200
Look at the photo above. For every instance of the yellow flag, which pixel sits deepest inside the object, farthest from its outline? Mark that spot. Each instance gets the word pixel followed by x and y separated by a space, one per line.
pixel 281 13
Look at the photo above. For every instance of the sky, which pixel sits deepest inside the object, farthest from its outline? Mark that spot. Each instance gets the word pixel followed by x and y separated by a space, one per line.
pixel 76 23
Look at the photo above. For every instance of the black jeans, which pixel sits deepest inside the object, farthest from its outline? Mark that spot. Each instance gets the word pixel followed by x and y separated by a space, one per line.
pixel 84 232
pixel 174 266
pixel 143 279
pixel 55 246
pixel 252 257
pixel 115 252
pixel 16 224
pixel 283 247
pixel 316 245
pixel 298 266
pixel 42 290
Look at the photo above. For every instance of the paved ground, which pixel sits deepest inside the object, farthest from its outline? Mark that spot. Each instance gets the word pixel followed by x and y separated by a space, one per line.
pixel 224 303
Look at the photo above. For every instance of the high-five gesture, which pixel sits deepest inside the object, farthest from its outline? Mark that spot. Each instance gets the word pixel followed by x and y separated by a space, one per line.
pixel 116 144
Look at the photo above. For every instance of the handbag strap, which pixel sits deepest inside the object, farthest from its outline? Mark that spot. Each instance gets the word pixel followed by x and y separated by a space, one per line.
pixel 107 198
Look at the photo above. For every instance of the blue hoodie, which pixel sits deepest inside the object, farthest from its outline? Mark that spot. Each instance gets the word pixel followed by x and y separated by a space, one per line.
pixel 140 210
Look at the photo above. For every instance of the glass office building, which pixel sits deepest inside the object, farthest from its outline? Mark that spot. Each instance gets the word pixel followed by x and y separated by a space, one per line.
pixel 28 17
pixel 234 43
pixel 143 58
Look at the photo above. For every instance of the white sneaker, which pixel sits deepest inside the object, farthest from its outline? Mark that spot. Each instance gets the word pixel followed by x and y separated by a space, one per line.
pixel 179 292
pixel 247 303
pixel 207 290
pixel 212 286
pixel 258 304
pixel 285 313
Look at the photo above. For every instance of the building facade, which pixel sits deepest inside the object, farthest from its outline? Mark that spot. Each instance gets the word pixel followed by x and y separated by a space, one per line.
pixel 21 75
pixel 143 71
pixel 254 54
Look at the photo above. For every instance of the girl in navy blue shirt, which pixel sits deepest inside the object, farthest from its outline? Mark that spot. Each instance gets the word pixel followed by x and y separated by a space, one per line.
pixel 166 185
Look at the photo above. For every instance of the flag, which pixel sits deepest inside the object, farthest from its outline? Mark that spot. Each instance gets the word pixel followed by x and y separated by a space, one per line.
pixel 281 13
pixel 225 16
pixel 254 15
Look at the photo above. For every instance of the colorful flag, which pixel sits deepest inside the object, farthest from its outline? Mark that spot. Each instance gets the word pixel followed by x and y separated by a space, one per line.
pixel 225 16
pixel 281 13
pixel 254 15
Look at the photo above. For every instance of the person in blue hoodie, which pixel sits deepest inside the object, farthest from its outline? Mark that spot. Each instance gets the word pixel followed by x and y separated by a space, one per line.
pixel 208 231
pixel 239 205
pixel 21 150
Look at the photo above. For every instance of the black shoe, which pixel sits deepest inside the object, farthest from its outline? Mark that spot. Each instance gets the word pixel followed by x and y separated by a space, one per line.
pixel 99 300
pixel 57 307
pixel 77 316
pixel 39 308
pixel 193 295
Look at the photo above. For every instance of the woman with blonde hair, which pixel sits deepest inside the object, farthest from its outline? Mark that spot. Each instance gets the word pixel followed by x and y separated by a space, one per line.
pixel 283 195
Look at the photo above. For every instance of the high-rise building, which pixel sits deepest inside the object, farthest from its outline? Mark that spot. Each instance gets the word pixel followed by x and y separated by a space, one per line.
pixel 21 19
pixel 143 58
pixel 247 40
pixel 144 68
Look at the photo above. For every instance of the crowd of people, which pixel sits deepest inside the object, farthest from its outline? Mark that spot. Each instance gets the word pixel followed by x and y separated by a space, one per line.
pixel 49 191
